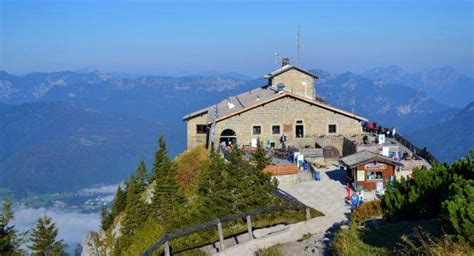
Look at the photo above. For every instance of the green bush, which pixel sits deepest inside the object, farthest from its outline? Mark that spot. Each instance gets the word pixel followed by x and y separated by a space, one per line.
pixel 444 191
pixel 459 209
pixel 270 251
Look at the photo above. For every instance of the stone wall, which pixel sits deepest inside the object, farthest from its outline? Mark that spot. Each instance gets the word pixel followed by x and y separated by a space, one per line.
pixel 285 112
pixel 193 138
pixel 294 80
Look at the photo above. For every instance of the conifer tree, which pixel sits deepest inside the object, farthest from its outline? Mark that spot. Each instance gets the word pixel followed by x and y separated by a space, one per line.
pixel 106 218
pixel 213 189
pixel 141 176
pixel 9 238
pixel 120 202
pixel 260 158
pixel 43 238
pixel 167 197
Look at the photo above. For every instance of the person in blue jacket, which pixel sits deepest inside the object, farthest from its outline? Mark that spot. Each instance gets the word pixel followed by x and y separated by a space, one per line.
pixel 354 201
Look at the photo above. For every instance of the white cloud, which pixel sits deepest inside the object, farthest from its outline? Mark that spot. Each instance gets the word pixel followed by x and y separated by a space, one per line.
pixel 72 225
pixel 109 189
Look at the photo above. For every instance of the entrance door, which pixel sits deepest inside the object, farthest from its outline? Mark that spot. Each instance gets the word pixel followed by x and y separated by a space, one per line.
pixel 229 137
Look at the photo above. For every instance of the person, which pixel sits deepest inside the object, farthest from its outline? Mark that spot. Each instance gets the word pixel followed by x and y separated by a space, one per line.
pixel 354 201
pixel 361 197
pixel 348 191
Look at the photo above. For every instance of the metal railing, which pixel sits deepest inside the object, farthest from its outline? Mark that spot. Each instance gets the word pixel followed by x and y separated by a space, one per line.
pixel 164 241
pixel 423 153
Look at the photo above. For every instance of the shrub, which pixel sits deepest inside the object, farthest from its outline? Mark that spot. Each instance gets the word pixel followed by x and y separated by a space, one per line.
pixel 347 242
pixel 424 243
pixel 270 251
pixel 458 211
pixel 367 211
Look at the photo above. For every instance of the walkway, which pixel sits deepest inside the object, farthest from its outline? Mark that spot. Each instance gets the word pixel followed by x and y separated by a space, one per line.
pixel 326 195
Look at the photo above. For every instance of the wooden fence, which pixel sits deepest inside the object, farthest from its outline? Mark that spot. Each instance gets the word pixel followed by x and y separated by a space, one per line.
pixel 164 241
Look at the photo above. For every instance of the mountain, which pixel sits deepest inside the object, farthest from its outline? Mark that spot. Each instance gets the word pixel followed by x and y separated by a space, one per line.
pixel 44 142
pixel 450 139
pixel 114 120
pixel 391 105
pixel 443 84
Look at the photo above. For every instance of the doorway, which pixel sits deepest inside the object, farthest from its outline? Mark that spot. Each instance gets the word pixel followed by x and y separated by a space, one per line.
pixel 229 137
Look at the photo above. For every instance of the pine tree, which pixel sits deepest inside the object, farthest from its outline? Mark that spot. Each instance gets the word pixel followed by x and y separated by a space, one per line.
pixel 43 238
pixel 9 238
pixel 106 218
pixel 141 176
pixel 214 190
pixel 167 196
pixel 120 202
pixel 260 158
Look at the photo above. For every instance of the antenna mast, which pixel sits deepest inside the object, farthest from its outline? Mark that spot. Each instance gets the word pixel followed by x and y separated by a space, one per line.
pixel 298 46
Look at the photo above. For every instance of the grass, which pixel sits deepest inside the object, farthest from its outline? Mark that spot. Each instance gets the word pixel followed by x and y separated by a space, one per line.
pixel 270 251
pixel 377 237
pixel 238 227
pixel 388 234
pixel 347 242
pixel 304 237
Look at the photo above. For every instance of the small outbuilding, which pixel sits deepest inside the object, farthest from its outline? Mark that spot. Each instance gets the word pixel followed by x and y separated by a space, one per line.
pixel 369 170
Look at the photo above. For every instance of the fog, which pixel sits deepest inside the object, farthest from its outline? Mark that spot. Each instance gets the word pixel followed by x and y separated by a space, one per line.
pixel 72 225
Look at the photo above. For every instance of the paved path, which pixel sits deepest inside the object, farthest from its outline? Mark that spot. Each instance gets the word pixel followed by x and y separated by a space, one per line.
pixel 326 196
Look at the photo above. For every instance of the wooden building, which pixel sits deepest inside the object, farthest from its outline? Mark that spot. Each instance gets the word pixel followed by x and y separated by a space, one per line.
pixel 369 170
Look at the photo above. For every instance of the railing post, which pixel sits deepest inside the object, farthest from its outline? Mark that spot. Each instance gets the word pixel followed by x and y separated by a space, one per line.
pixel 167 248
pixel 308 213
pixel 220 233
pixel 249 227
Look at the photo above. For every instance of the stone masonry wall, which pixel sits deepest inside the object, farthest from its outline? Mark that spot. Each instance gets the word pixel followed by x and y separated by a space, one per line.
pixel 293 80
pixel 193 137
pixel 285 112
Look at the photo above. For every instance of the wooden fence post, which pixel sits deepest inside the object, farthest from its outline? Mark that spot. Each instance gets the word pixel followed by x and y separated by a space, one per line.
pixel 167 248
pixel 221 235
pixel 308 213
pixel 249 227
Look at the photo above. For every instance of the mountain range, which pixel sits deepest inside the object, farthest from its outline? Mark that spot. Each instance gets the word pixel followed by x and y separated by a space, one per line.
pixel 444 84
pixel 53 147
pixel 100 124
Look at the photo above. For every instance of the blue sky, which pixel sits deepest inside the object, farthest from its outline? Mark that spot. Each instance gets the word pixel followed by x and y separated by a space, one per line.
pixel 164 37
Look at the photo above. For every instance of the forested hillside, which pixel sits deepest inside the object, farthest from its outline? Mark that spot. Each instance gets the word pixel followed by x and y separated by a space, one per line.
pixel 450 138
pixel 193 189
pixel 75 148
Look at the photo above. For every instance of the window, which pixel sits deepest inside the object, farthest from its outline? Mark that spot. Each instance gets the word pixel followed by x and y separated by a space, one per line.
pixel 332 128
pixel 275 129
pixel 374 175
pixel 201 129
pixel 299 122
pixel 257 130
pixel 299 129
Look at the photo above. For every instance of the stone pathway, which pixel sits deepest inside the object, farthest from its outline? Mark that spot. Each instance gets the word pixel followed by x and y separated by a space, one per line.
pixel 327 196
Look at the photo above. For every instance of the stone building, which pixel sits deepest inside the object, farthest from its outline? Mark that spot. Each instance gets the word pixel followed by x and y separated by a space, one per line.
pixel 286 106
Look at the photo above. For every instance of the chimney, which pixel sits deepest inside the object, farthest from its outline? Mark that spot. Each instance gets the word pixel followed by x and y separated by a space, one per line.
pixel 285 61
pixel 280 87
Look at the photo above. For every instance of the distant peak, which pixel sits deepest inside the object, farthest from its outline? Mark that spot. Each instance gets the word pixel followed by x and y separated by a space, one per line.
pixel 86 70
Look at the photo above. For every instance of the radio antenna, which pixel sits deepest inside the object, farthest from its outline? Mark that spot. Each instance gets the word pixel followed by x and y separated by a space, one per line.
pixel 298 46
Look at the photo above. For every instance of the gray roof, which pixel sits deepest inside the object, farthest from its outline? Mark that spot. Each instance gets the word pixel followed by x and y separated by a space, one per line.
pixel 238 102
pixel 287 68
pixel 364 157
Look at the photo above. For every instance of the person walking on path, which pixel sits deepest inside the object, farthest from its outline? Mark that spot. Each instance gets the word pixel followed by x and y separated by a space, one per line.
pixel 354 201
